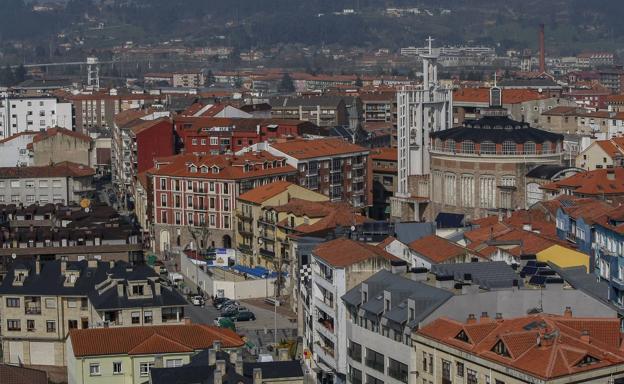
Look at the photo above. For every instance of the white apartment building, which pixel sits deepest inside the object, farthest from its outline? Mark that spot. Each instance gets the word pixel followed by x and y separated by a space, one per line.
pixel 14 150
pixel 33 114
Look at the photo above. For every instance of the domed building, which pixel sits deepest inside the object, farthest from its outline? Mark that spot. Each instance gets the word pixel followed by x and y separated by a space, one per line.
pixel 480 168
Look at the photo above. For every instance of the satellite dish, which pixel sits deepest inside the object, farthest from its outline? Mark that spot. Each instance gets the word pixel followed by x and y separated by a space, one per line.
pixel 352 228
pixel 13 256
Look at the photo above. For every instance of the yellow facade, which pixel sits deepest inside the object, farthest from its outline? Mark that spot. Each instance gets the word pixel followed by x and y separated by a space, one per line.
pixel 564 257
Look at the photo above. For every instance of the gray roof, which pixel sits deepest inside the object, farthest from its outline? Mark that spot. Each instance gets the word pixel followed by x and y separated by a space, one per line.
pixel 545 171
pixel 488 275
pixel 406 232
pixel 308 101
pixel 426 298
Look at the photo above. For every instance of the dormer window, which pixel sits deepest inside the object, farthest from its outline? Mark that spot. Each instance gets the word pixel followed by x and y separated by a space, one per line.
pixel 215 169
pixel 204 169
pixel 387 304
pixel 462 336
pixel 193 168
pixel 587 360
pixel 501 349
pixel 137 290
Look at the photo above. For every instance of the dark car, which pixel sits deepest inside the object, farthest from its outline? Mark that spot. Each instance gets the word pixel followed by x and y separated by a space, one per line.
pixel 244 316
pixel 218 301
pixel 225 304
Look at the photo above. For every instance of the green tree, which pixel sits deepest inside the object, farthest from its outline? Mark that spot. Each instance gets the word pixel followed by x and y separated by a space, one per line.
pixel 7 77
pixel 20 74
pixel 286 85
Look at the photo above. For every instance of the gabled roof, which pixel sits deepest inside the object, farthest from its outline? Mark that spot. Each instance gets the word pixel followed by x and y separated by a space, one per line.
pixel 63 169
pixel 264 192
pixel 149 340
pixel 343 252
pixel 543 346
pixel 598 182
pixel 308 149
pixel 437 249
pixel 510 96
pixel 384 154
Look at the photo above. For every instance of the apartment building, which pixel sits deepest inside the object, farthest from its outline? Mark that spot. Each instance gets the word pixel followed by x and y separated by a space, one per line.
pixel 324 111
pixel 331 166
pixel 379 106
pixel 604 184
pixel 385 168
pixel 337 266
pixel 54 231
pixel 63 183
pixel 57 145
pixel 536 348
pixel 42 301
pixel 132 352
pixel 188 79
pixel 139 136
pixel 200 191
pixel 14 149
pixel 20 114
pixel 257 237
pixel 602 154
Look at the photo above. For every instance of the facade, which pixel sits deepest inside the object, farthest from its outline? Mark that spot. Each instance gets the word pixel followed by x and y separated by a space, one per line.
pixel 603 184
pixel 54 231
pixel 324 111
pixel 613 80
pixel 57 145
pixel 602 154
pixel 379 106
pixel 385 180
pixel 381 313
pixel 478 169
pixel 257 237
pixel 421 110
pixel 14 150
pixel 337 266
pixel 607 245
pixel 22 114
pixel 59 183
pixel 331 166
pixel 43 301
pixel 132 352
pixel 200 191
pixel 188 79
pixel 536 348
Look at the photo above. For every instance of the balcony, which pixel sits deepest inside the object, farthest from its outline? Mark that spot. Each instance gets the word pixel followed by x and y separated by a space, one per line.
pixel 358 179
pixel 244 248
pixel 357 166
pixel 617 283
pixel 32 310
pixel 267 253
pixel 243 217
pixel 325 353
pixel 605 251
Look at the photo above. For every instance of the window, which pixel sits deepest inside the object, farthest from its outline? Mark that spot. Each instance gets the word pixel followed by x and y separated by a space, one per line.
pixel 226 222
pixel 212 221
pixel 446 372
pixel 214 141
pixel 117 368
pixel 226 205
pixel 163 183
pixel 163 200
pixel 467 190
pixel 374 360
pixel 144 368
pixel 211 203
pixel 30 325
pixel 487 191
pixel 15 184
pixel 226 188
pixel 56 183
pixel 50 326
pixel 173 363
pixel 450 188
pixel 460 369
pixel 450 145
pixel 529 148
pixel 468 146
pixel 472 376
pixel 211 186
pixel 148 317
pixel 50 303
pixel 14 325
pixel 136 317
pixel 72 324
pixel 509 147
pixel 355 375
pixel 12 302
pixel 189 201
pixel 355 351
pixel 546 147
pixel 372 380
pixel 94 369
pixel 397 370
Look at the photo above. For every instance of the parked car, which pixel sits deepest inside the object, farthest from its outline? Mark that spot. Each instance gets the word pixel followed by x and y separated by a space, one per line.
pixel 226 304
pixel 244 316
pixel 233 311
pixel 198 300
pixel 232 307
pixel 219 300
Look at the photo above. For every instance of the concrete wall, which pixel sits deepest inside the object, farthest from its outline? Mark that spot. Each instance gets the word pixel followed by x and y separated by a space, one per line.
pixel 14 153
pixel 59 148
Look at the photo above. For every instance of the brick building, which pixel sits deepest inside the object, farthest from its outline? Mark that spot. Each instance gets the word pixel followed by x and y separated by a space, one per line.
pixel 201 191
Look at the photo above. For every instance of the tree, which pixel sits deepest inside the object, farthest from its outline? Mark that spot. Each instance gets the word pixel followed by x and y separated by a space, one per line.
pixel 286 85
pixel 20 74
pixel 7 77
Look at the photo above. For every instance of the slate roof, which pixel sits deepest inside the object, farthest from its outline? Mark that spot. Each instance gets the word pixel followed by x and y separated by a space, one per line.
pixel 545 171
pixel 426 298
pixel 488 275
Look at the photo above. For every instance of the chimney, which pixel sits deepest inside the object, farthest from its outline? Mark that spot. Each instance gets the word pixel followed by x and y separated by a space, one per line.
pixel 472 319
pixel 499 316
pixel 257 376
pixel 398 266
pixel 63 267
pixel 157 288
pixel 282 354
pixel 157 269
pixel 233 357
pixel 585 336
pixel 37 266
pixel 212 357
pixel 216 345
pixel 120 289
pixel 610 174
pixel 542 49
pixel 221 366
pixel 567 312
pixel 187 321
pixel 238 364
pixel 218 377
pixel 484 317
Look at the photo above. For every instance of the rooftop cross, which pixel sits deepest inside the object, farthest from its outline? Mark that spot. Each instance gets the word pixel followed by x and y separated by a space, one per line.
pixel 430 40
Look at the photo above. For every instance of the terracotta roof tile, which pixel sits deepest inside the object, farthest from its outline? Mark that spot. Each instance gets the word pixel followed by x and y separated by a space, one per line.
pixel 264 192
pixel 592 183
pixel 308 149
pixel 64 169
pixel 331 214
pixel 555 353
pixel 12 374
pixel 510 96
pixel 50 132
pixel 385 154
pixel 150 339
pixel 345 252
pixel 437 249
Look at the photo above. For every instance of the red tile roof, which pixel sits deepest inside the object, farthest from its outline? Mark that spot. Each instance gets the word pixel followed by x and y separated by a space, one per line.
pixel 437 249
pixel 510 96
pixel 331 214
pixel 264 192
pixel 51 132
pixel 12 374
pixel 543 346
pixel 64 169
pixel 231 167
pixel 15 136
pixel 592 183
pixel 345 252
pixel 149 340
pixel 384 154
pixel 308 149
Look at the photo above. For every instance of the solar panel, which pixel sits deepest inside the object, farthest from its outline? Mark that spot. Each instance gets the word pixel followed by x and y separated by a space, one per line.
pixel 537 280
pixel 529 270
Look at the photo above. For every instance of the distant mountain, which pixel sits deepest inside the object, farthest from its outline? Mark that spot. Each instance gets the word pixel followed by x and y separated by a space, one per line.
pixel 571 25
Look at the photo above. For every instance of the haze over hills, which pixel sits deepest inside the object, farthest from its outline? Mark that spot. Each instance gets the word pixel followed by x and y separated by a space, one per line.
pixel 571 25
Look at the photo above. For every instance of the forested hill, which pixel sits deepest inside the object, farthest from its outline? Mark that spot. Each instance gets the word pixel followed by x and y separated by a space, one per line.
pixel 571 24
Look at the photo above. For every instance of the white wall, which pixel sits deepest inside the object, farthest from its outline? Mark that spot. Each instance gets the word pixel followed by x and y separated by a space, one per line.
pixel 33 114
pixel 14 153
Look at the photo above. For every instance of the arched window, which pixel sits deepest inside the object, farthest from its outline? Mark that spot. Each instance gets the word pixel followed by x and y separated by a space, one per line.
pixel 468 146
pixel 509 147
pixel 488 148
pixel 450 146
pixel 529 148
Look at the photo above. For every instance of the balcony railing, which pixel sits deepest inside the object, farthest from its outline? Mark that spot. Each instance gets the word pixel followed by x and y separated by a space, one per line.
pixel 245 248
pixel 357 165
pixel 446 151
pixel 267 253
pixel 244 217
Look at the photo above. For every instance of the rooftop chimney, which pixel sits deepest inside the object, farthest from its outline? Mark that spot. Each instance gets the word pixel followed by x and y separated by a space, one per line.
pixel 218 377
pixel 187 321
pixel 499 316
pixel 157 288
pixel 120 289
pixel 585 336
pixel 212 357
pixel 37 266
pixel 216 345
pixel 63 267
pixel 542 48
pixel 472 319
pixel 567 312
pixel 484 317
